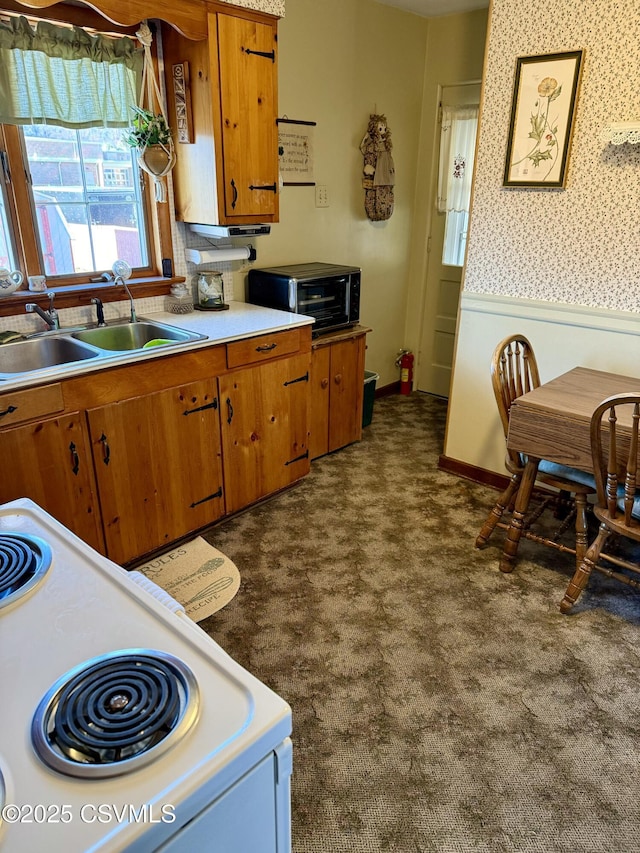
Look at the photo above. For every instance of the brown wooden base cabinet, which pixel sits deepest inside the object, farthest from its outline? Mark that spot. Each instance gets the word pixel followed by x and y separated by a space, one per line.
pixel 158 466
pixel 133 458
pixel 49 462
pixel 264 423
pixel 337 390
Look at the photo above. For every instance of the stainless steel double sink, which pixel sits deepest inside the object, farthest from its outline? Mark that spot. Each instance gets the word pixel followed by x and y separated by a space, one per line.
pixel 61 347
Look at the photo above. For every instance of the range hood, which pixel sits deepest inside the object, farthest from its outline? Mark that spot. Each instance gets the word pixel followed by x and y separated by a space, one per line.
pixel 221 232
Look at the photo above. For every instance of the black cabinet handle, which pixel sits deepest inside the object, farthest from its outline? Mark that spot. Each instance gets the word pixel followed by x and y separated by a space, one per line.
pixel 9 410
pixel 229 410
pixel 106 450
pixel 235 194
pixel 266 347
pixel 75 459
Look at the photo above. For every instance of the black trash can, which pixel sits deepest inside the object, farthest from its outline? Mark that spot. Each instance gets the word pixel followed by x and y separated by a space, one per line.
pixel 370 380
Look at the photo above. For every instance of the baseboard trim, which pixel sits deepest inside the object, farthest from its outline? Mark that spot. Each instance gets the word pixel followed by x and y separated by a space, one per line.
pixel 387 390
pixel 473 472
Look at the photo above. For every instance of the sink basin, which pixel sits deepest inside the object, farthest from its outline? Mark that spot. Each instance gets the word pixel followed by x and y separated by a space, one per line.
pixel 25 356
pixel 132 336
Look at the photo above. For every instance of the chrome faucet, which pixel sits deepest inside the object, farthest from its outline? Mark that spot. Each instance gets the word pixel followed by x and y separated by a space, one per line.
pixel 50 317
pixel 99 310
pixel 120 280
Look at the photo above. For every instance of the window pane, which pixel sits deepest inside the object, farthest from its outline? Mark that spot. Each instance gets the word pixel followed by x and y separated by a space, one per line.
pixel 7 254
pixel 455 237
pixel 86 192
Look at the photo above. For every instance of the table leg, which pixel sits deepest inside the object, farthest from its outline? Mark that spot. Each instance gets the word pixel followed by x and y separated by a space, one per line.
pixel 582 541
pixel 510 550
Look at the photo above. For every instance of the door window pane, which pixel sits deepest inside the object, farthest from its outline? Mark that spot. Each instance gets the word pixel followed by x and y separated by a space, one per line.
pixel 87 197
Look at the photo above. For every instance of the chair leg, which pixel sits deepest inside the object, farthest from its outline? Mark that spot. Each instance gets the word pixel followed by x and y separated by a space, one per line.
pixel 579 581
pixel 581 528
pixel 516 526
pixel 503 502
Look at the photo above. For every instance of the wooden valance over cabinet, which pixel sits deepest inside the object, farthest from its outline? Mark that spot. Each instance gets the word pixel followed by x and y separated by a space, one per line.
pixel 188 17
pixel 228 173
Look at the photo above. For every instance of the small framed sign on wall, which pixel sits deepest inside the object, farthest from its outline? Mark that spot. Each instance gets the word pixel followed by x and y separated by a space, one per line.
pixel 542 113
pixel 295 152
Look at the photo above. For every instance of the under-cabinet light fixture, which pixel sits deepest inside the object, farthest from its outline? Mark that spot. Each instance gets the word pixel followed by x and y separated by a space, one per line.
pixel 619 132
pixel 214 256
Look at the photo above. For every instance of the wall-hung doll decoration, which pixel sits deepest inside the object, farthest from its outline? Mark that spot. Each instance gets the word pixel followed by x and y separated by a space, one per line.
pixel 378 176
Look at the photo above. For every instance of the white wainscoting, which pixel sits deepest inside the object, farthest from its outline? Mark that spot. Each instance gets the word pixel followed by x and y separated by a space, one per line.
pixel 563 336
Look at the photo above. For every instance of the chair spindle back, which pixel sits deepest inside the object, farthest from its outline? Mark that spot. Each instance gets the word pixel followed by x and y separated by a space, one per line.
pixel 514 372
pixel 616 470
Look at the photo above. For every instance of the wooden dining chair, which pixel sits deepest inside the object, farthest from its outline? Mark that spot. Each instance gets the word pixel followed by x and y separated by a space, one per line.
pixel 514 372
pixel 615 425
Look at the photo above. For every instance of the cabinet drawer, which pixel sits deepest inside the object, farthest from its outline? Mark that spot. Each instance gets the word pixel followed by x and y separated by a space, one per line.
pixel 19 406
pixel 263 347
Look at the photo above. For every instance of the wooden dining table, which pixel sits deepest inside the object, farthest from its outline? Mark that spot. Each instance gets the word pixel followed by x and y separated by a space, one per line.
pixel 553 422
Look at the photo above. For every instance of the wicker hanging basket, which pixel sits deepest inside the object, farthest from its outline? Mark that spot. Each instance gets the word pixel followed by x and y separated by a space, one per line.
pixel 157 159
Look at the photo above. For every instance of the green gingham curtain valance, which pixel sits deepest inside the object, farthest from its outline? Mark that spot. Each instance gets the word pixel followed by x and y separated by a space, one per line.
pixel 66 77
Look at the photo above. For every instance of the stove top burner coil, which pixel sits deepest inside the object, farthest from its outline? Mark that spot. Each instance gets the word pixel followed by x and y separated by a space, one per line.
pixel 24 560
pixel 115 713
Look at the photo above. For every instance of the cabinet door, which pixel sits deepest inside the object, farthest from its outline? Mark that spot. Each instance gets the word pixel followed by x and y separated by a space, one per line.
pixel 263 411
pixel 346 393
pixel 157 461
pixel 319 402
pixel 248 95
pixel 48 461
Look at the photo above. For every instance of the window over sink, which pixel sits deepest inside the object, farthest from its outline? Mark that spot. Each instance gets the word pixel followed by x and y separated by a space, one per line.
pixel 73 198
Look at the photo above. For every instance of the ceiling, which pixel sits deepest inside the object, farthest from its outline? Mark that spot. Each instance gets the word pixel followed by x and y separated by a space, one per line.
pixel 432 8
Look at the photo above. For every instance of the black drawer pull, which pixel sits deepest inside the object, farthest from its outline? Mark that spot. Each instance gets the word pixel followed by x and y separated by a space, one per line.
pixel 8 411
pixel 229 410
pixel 75 459
pixel 266 347
pixel 106 450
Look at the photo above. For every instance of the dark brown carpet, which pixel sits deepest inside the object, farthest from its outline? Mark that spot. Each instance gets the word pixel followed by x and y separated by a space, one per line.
pixel 438 705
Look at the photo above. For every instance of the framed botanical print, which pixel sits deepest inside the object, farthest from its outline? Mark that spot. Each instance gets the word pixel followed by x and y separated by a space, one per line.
pixel 542 114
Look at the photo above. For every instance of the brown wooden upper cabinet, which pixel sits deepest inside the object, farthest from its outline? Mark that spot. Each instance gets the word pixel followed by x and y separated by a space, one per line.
pixel 228 174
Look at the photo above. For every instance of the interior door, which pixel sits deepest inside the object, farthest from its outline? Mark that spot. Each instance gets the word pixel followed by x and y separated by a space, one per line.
pixel 443 281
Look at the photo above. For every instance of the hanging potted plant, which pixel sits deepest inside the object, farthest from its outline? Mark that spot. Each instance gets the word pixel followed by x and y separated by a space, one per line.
pixel 151 136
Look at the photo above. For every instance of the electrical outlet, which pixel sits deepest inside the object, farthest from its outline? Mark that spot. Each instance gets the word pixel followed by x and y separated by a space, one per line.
pixel 322 195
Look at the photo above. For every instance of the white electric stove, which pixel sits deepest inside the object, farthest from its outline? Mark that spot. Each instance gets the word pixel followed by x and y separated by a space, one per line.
pixel 123 726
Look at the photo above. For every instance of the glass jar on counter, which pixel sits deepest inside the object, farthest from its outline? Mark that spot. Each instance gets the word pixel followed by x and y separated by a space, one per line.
pixel 210 291
pixel 180 300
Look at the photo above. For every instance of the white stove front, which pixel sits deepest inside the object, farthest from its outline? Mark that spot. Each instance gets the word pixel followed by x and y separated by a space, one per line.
pixel 85 607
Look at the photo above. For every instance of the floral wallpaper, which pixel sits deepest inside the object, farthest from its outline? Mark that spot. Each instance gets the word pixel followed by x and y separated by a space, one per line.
pixel 577 245
pixel 272 7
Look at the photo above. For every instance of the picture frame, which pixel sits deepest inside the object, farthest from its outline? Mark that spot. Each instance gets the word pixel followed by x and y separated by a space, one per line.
pixel 542 115
pixel 295 152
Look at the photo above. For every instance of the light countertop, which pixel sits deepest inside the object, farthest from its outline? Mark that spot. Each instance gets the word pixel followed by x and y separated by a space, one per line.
pixel 242 320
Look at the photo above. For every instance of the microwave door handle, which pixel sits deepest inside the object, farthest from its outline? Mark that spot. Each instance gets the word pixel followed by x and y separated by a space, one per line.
pixel 293 294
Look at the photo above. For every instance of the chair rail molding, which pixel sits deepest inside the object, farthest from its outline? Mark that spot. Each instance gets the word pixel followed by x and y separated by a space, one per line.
pixel 563 336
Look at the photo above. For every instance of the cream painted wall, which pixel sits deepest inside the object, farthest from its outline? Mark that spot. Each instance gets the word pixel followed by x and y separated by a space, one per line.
pixel 557 265
pixel 339 61
pixel 455 54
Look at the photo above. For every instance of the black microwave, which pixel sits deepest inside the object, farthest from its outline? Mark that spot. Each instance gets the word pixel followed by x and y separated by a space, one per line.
pixel 329 293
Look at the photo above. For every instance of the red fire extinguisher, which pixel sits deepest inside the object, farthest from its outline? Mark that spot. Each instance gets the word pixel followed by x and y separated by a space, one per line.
pixel 405 363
